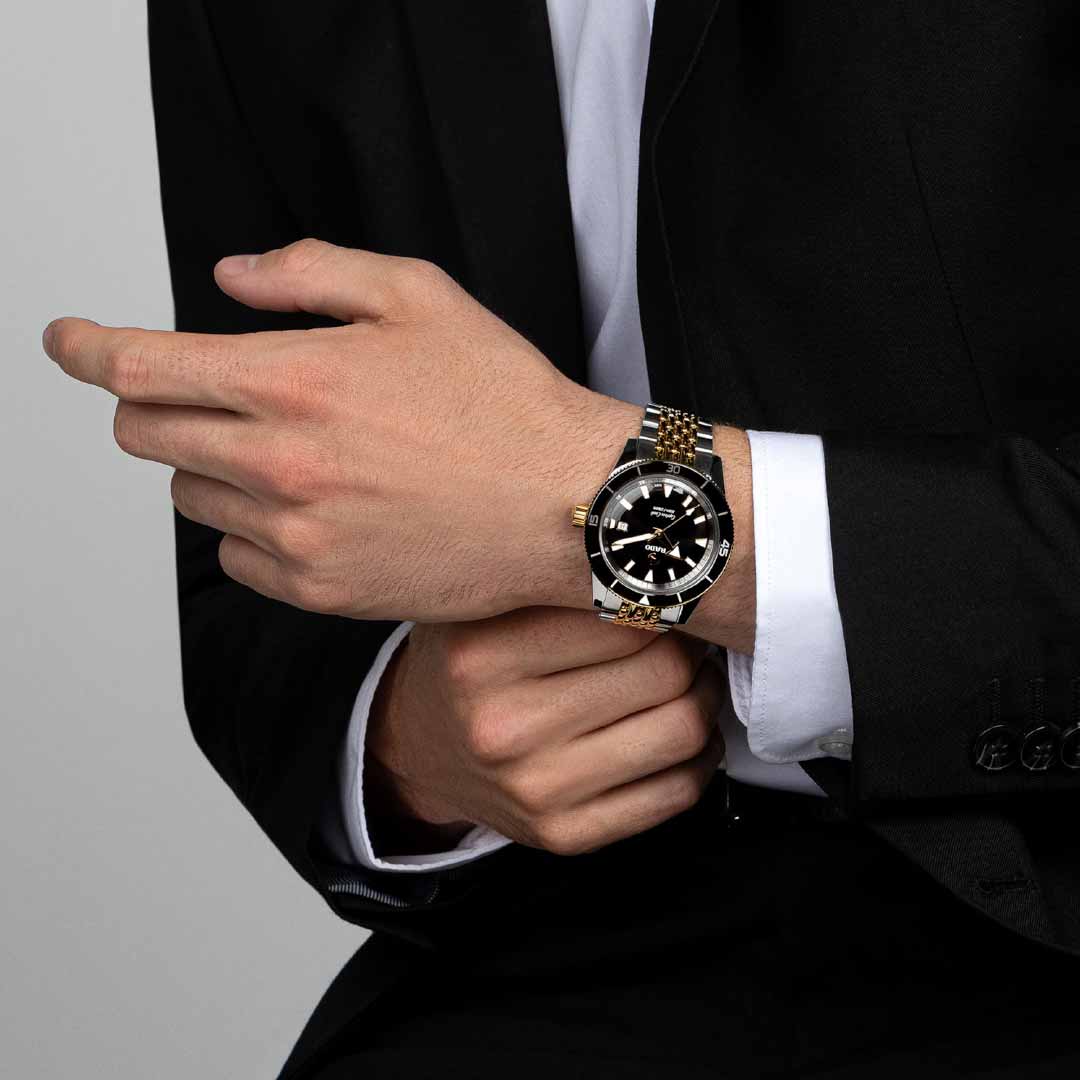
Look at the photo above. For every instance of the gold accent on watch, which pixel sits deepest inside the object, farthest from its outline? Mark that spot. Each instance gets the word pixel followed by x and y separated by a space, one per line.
pixel 676 435
pixel 580 515
pixel 638 615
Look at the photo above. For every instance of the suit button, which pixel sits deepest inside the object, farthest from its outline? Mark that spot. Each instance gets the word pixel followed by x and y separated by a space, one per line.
pixel 1039 751
pixel 1070 748
pixel 997 748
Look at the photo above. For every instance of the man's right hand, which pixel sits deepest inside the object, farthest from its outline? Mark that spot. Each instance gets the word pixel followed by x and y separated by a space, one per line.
pixel 551 727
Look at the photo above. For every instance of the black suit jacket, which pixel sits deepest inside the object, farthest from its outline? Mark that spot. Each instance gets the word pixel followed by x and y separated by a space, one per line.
pixel 859 220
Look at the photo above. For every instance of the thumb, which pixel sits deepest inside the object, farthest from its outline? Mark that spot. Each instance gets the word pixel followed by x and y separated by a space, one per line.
pixel 312 275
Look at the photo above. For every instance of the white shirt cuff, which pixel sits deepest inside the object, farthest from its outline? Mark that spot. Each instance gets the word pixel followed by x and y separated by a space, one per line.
pixel 480 840
pixel 794 694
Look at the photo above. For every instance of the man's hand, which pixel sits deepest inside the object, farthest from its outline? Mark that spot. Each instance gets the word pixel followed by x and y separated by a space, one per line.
pixel 418 462
pixel 556 730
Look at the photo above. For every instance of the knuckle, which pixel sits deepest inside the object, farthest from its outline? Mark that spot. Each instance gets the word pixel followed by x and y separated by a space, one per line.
pixel 127 427
pixel 531 794
pixel 464 661
pixel 180 490
pixel 683 791
pixel 126 368
pixel 296 537
pixel 293 474
pixel 321 595
pixel 231 559
pixel 304 384
pixel 691 727
pixel 421 279
pixel 301 255
pixel 675 666
pixel 490 735
pixel 557 835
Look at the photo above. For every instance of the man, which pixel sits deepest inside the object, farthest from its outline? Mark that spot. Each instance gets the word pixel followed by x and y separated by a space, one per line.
pixel 851 235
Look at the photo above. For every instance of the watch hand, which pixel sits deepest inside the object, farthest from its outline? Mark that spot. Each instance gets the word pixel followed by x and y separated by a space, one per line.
pixel 675 522
pixel 631 540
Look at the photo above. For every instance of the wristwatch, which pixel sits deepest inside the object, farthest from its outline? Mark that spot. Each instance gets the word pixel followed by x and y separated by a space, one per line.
pixel 659 533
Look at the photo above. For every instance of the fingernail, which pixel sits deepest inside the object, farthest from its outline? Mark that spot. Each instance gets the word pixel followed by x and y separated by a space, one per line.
pixel 47 336
pixel 236 264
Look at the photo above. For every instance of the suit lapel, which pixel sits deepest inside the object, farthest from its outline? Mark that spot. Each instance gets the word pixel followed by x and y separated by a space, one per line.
pixel 488 77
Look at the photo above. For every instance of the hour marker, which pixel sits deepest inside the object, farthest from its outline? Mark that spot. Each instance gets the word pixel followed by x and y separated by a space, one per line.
pixel 644 492
pixel 701 543
pixel 674 552
pixel 688 500
pixel 699 519
pixel 622 526
pixel 689 561
pixel 667 491
pixel 626 504
pixel 671 573
pixel 648 576
pixel 629 565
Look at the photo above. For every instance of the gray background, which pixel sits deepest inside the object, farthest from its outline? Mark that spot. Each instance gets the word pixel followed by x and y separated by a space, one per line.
pixel 147 928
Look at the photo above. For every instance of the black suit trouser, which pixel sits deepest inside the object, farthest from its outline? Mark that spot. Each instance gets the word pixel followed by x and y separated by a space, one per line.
pixel 787 943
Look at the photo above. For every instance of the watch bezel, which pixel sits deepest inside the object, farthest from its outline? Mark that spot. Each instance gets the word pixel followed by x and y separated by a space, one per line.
pixel 658 467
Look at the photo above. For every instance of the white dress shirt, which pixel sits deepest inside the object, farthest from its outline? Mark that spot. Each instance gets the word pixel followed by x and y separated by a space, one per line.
pixel 791 700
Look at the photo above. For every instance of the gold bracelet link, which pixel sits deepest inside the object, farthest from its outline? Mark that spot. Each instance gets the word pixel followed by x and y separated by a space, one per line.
pixel 676 436
pixel 638 616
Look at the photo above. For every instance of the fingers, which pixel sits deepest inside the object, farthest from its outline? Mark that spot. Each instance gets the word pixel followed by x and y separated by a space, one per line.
pixel 314 276
pixel 645 742
pixel 210 442
pixel 536 641
pixel 631 809
pixel 573 703
pixel 260 570
pixel 222 507
pixel 216 370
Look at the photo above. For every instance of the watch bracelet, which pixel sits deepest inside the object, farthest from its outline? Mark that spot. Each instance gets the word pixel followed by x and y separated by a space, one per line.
pixel 669 434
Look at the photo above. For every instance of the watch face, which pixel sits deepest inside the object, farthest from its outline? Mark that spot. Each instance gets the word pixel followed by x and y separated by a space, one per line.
pixel 658 533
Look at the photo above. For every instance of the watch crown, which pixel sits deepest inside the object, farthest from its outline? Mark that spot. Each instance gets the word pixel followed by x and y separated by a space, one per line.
pixel 580 515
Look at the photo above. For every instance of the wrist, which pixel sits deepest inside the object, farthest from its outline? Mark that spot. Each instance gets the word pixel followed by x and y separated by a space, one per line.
pixel 400 820
pixel 589 435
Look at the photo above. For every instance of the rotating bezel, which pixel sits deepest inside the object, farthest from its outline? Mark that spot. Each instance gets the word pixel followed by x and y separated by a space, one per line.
pixel 650 468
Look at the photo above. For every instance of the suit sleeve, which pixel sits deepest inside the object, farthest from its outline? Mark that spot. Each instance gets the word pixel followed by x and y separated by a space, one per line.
pixel 957 569
pixel 268 688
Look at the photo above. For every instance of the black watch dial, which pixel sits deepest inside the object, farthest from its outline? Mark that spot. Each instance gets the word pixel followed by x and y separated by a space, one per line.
pixel 661 535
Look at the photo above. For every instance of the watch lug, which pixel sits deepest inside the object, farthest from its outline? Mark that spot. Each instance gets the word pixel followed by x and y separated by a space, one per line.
pixel 688 609
pixel 717 471
pixel 599 594
pixel 629 454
